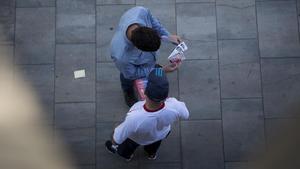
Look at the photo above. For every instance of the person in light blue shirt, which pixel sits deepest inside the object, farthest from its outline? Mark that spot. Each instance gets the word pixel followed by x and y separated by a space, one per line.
pixel 134 48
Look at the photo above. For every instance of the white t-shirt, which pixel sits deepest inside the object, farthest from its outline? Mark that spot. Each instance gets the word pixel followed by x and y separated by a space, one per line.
pixel 145 127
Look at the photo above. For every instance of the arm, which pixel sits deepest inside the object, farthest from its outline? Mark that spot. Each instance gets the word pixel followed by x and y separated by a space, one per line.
pixel 183 111
pixel 131 71
pixel 122 132
pixel 181 108
pixel 161 30
pixel 157 26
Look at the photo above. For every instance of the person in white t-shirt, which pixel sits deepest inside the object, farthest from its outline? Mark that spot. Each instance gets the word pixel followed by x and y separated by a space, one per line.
pixel 148 122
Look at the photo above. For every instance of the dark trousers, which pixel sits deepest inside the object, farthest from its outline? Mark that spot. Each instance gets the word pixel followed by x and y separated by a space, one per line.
pixel 127 148
pixel 126 84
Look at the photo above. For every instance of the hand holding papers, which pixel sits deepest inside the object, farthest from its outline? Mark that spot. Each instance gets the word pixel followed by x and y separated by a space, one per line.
pixel 177 54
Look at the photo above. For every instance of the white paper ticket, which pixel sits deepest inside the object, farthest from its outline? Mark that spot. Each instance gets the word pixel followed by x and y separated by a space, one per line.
pixel 79 74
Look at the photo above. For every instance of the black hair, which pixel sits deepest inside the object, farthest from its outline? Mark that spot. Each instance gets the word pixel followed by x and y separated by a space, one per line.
pixel 145 39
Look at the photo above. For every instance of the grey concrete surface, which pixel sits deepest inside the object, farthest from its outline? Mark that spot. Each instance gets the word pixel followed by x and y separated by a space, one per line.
pixel 240 81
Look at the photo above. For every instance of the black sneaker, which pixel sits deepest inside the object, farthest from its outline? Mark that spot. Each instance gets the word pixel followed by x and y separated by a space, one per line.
pixel 113 149
pixel 152 157
pixel 110 147
pixel 130 98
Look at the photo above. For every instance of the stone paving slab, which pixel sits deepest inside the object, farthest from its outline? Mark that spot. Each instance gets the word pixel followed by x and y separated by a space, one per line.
pixel 201 50
pixel 196 21
pixel 106 160
pixel 161 166
pixel 76 21
pixel 41 79
pixel 70 58
pixel 7 21
pixel 115 2
pixel 110 101
pixel 107 23
pixel 35 35
pixel 87 167
pixel 243 128
pixel 164 11
pixel 276 39
pixel 75 115
pixel 81 143
pixel 236 19
pixel 183 1
pixel 281 87
pixel 169 151
pixel 298 10
pixel 239 165
pixel 196 24
pixel 202 145
pixel 200 91
pixel 35 3
pixel 239 68
pixel 298 13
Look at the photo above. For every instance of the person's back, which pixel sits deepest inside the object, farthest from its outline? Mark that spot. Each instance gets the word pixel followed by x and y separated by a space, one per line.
pixel 148 122
pixel 150 126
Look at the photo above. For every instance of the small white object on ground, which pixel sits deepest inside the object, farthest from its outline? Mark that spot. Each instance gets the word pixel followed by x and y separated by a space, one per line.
pixel 79 74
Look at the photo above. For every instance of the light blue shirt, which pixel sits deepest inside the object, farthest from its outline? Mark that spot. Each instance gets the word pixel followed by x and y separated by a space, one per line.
pixel 132 62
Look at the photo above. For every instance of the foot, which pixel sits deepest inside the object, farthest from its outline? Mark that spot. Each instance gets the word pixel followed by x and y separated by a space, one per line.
pixel 129 159
pixel 130 98
pixel 110 147
pixel 113 149
pixel 152 156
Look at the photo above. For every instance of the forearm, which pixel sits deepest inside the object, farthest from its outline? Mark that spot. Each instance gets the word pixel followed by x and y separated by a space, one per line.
pixel 157 25
pixel 136 72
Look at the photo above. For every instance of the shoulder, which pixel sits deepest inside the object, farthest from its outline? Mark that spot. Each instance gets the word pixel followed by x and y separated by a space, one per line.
pixel 136 109
pixel 174 103
pixel 171 100
pixel 141 8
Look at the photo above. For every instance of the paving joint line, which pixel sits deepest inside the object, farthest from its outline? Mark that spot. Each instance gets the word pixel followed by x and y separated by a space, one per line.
pixel 74 102
pixel 35 7
pixel 220 85
pixel 183 3
pixel 96 73
pixel 298 18
pixel 179 97
pixel 54 71
pixel 14 38
pixel 243 98
pixel 34 64
pixel 261 79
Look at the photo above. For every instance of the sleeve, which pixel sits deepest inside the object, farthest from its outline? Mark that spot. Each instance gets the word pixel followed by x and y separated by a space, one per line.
pixel 123 131
pixel 181 109
pixel 131 71
pixel 157 26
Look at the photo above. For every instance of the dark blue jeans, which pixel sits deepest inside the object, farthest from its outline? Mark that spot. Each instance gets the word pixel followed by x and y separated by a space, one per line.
pixel 126 84
pixel 128 147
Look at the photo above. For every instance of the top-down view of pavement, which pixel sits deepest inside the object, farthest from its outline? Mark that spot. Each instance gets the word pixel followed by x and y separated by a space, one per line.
pixel 240 79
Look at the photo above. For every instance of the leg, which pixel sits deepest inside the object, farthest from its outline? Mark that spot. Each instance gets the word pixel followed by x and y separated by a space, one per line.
pixel 127 148
pixel 151 149
pixel 126 84
pixel 127 87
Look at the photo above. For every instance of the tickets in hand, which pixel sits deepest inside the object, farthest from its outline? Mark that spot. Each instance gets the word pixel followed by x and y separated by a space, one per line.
pixel 177 54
